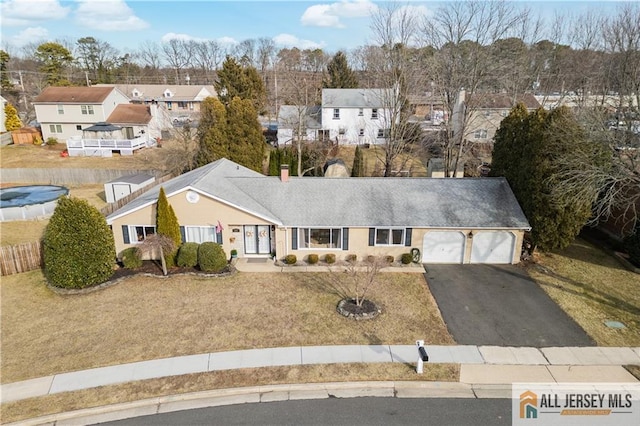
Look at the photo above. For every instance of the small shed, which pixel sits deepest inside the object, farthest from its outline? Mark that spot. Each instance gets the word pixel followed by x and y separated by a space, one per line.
pixel 125 185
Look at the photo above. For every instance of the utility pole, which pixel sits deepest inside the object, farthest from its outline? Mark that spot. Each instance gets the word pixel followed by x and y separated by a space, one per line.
pixel 86 76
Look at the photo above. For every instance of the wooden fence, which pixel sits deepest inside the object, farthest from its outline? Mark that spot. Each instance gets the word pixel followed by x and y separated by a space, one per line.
pixel 112 207
pixel 20 258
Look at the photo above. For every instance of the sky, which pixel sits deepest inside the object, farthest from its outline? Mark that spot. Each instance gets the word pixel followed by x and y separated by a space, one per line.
pixel 126 24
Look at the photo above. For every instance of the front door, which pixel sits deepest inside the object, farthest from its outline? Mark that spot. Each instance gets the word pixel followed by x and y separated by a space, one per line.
pixel 257 239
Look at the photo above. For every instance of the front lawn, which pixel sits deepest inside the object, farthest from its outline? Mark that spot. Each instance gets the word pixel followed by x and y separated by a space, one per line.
pixel 593 287
pixel 145 318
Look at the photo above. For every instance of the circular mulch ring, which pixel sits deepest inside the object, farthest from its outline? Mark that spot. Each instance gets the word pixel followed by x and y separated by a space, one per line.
pixel 349 309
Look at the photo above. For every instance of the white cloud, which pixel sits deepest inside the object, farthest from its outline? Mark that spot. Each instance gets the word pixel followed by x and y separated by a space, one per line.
pixel 328 15
pixel 184 37
pixel 288 40
pixel 108 15
pixel 17 13
pixel 29 35
pixel 227 40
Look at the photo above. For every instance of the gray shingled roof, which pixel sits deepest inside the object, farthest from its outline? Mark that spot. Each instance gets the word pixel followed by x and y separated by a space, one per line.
pixel 354 98
pixel 352 202
pixel 288 116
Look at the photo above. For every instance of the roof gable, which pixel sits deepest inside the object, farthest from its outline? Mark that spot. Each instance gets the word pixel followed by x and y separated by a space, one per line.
pixel 130 114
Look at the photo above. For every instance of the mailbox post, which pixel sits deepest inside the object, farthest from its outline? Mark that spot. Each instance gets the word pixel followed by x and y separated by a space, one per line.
pixel 422 356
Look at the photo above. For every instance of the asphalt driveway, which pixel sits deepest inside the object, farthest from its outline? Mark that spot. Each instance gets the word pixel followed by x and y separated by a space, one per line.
pixel 500 305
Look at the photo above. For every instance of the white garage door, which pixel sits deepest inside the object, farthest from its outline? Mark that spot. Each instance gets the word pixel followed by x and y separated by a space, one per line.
pixel 443 247
pixel 493 247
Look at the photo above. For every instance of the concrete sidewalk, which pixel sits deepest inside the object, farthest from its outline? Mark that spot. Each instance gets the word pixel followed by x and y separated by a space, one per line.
pixel 485 365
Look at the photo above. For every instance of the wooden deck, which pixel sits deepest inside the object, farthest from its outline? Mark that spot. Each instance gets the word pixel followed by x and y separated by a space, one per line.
pixel 78 147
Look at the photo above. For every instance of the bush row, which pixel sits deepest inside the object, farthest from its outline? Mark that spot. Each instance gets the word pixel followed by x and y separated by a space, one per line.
pixel 330 258
pixel 208 257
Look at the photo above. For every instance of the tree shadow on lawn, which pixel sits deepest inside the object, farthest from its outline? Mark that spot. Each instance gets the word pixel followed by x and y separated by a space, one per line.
pixel 590 248
pixel 590 292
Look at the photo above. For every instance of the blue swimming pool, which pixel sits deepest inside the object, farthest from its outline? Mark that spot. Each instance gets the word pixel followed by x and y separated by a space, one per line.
pixel 29 202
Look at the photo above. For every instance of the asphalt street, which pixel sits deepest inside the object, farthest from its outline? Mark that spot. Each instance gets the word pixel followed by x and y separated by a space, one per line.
pixel 368 411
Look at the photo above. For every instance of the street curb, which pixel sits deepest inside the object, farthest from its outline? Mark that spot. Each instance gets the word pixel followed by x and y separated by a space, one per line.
pixel 260 394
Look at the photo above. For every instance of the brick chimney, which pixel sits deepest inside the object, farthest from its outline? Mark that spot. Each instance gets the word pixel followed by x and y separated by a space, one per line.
pixel 284 173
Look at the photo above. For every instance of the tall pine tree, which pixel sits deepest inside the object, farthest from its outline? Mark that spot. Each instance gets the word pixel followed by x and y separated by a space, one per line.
pixel 234 80
pixel 245 134
pixel 339 74
pixel 213 139
pixel 358 163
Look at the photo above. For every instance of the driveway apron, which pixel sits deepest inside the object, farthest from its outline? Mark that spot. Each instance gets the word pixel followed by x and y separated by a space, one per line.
pixel 500 305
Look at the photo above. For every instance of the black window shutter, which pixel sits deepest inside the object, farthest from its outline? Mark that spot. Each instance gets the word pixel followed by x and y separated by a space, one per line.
pixel 407 237
pixel 372 236
pixel 183 236
pixel 345 238
pixel 219 237
pixel 125 234
pixel 294 238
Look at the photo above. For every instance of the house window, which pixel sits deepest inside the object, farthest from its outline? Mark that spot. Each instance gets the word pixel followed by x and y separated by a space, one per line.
pixel 182 105
pixel 55 128
pixel 336 113
pixel 320 238
pixel 361 132
pixel 360 112
pixel 169 105
pixel 137 234
pixel 60 109
pixel 342 131
pixel 78 127
pixel 86 109
pixel 389 237
pixel 374 114
pixel 480 134
pixel 200 234
pixel 383 133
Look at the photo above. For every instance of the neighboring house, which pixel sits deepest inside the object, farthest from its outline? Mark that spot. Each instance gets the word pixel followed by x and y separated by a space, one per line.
pixel 474 220
pixel 489 109
pixel 179 100
pixel 357 116
pixel 3 125
pixel 64 112
pixel 303 120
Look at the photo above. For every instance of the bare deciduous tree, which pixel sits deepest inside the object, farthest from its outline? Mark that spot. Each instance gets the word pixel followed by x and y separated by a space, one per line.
pixel 178 54
pixel 157 244
pixel 355 280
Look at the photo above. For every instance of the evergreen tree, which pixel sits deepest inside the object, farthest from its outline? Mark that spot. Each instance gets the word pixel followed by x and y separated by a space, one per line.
pixel 339 74
pixel 79 250
pixel 4 75
pixel 524 145
pixel 246 142
pixel 213 139
pixel 12 121
pixel 167 225
pixel 54 57
pixel 234 80
pixel 358 163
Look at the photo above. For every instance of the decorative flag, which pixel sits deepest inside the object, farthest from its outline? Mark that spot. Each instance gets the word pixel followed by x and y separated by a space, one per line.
pixel 219 228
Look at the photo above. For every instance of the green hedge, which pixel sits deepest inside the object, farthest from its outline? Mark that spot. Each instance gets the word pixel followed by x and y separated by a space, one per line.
pixel 79 250
pixel 188 255
pixel 131 258
pixel 211 257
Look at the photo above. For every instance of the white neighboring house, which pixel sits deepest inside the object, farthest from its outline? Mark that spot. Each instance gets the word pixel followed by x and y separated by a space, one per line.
pixel 357 116
pixel 63 112
pixel 3 103
pixel 294 120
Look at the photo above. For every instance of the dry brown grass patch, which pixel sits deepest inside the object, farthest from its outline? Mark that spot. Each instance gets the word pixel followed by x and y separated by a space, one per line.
pixel 135 391
pixel 146 318
pixel 593 287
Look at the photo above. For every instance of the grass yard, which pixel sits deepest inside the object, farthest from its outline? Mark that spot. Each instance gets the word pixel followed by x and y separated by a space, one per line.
pixel 145 318
pixel 593 287
pixel 374 161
